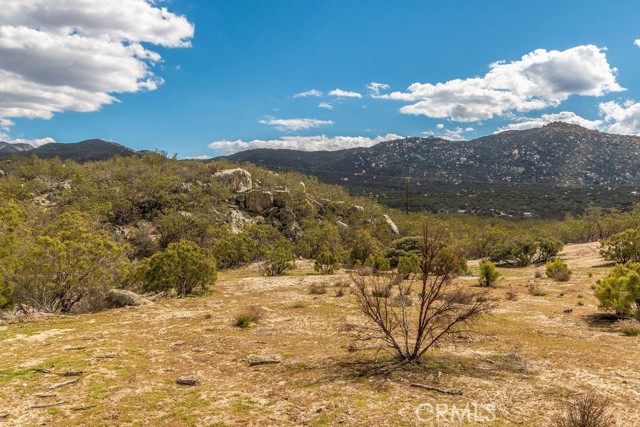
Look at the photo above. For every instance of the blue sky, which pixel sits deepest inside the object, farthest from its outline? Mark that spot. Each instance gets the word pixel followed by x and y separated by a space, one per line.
pixel 226 73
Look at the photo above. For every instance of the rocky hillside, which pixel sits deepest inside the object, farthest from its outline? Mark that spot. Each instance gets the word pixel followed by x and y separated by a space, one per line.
pixel 89 150
pixel 7 148
pixel 558 154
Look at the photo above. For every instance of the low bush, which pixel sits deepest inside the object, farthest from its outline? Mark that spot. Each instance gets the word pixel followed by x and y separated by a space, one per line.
pixel 620 290
pixel 326 263
pixel 317 289
pixel 247 317
pixel 587 410
pixel 558 271
pixel 488 274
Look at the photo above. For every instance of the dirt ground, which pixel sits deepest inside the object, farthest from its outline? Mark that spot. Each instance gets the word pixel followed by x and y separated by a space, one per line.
pixel 528 359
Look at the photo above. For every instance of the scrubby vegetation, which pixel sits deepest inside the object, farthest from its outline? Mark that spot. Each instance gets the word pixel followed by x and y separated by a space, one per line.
pixel 620 290
pixel 120 222
pixel 488 275
pixel 558 270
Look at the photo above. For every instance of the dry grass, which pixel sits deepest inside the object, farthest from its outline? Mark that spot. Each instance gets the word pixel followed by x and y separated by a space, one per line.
pixel 529 360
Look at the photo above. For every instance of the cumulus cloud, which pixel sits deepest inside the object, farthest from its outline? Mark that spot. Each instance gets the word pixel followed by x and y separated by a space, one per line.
pixel 295 124
pixel 456 134
pixel 637 42
pixel 538 80
pixel 311 92
pixel 621 118
pixel 305 143
pixel 375 88
pixel 325 105
pixel 564 116
pixel 344 94
pixel 76 55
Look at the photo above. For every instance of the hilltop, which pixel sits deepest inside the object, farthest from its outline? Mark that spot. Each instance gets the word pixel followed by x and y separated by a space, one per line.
pixel 558 154
pixel 89 150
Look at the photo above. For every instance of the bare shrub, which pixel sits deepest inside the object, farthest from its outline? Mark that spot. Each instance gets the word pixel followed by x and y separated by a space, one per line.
pixel 511 296
pixel 535 290
pixel 340 292
pixel 629 328
pixel 317 289
pixel 247 317
pixel 587 410
pixel 436 315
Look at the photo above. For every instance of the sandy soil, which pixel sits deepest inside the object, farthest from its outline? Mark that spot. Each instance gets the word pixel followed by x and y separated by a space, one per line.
pixel 529 358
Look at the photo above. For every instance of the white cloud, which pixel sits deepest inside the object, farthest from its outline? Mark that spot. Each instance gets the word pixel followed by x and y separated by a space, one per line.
pixel 538 80
pixel 344 94
pixel 311 92
pixel 375 88
pixel 637 42
pixel 621 118
pixel 325 105
pixel 75 55
pixel 305 143
pixel 564 116
pixel 33 142
pixel 456 134
pixel 295 124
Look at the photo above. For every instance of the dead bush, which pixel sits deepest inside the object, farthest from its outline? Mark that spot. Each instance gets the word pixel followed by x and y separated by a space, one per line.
pixel 587 410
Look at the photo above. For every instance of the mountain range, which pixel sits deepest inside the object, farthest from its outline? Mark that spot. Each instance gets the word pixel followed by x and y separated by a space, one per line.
pixel 89 150
pixel 558 154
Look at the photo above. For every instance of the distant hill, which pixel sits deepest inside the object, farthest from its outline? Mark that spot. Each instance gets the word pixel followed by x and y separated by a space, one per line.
pixel 84 151
pixel 7 148
pixel 558 154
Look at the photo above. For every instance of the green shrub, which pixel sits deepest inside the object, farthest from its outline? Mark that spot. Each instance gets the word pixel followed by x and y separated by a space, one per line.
pixel 278 261
pixel 522 252
pixel 408 265
pixel 363 246
pixel 184 267
pixel 326 263
pixel 403 248
pixel 630 328
pixel 622 247
pixel 67 263
pixel 548 249
pixel 558 270
pixel 517 252
pixel 620 290
pixel 488 275
pixel 377 263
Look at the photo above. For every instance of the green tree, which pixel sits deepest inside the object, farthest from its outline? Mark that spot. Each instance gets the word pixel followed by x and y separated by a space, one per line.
pixel 620 290
pixel 488 274
pixel 279 260
pixel 622 247
pixel 519 252
pixel 363 246
pixel 378 263
pixel 183 266
pixel 11 225
pixel 66 263
pixel 408 265
pixel 403 247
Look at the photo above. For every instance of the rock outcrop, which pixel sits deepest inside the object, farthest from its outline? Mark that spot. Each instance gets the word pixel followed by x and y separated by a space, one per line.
pixel 282 197
pixel 256 201
pixel 237 180
pixel 392 225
